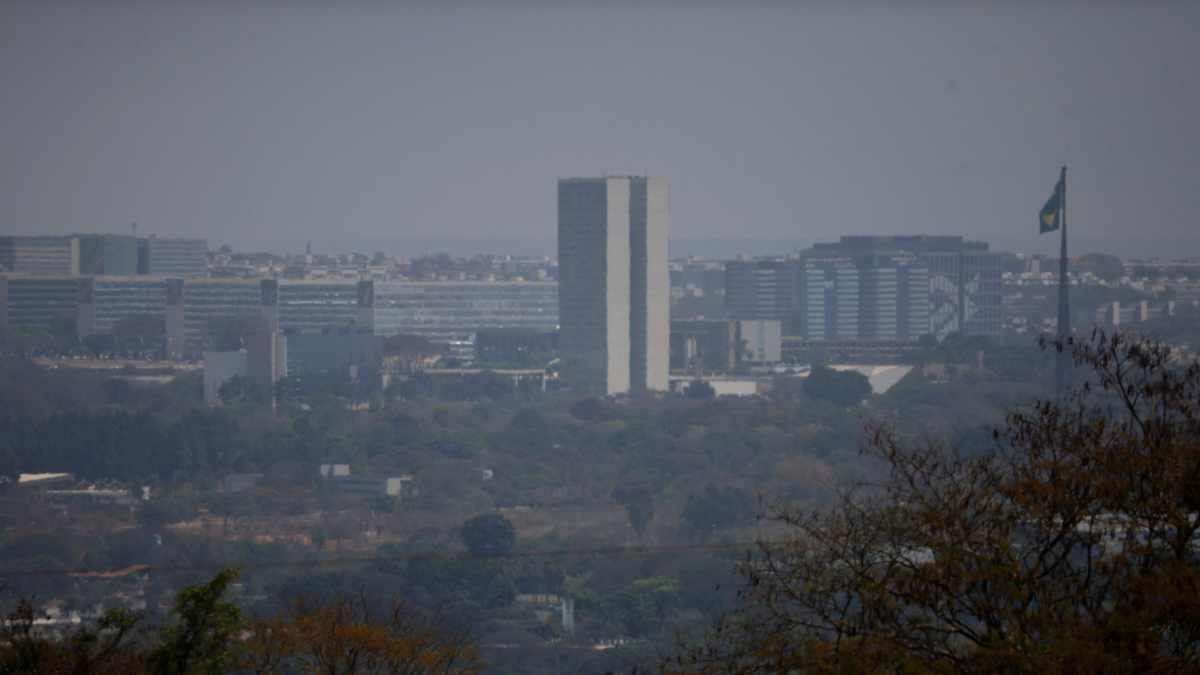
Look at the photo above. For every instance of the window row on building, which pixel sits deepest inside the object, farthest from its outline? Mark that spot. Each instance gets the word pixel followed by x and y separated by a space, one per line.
pixel 209 314
pixel 103 254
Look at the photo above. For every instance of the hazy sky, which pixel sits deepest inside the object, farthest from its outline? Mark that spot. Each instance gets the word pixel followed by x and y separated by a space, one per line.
pixel 268 123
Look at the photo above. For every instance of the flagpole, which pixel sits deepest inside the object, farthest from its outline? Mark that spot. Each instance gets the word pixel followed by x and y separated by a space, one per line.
pixel 1063 367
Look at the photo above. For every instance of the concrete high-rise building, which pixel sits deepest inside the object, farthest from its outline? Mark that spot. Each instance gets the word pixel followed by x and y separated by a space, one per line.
pixel 614 289
pixel 650 285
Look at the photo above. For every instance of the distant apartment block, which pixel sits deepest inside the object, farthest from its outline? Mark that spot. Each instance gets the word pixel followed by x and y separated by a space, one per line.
pixel 613 283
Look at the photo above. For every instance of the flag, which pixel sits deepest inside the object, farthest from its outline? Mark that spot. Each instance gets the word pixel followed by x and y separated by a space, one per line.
pixel 1050 217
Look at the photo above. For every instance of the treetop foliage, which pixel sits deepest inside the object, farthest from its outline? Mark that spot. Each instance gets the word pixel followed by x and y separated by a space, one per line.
pixel 1072 548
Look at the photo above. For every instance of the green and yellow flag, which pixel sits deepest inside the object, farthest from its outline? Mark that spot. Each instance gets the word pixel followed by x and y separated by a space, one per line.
pixel 1050 217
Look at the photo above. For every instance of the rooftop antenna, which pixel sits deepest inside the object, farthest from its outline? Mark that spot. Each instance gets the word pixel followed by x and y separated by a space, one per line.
pixel 133 226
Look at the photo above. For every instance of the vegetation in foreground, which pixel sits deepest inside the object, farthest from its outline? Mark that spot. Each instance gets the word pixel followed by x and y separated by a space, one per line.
pixel 206 633
pixel 1072 548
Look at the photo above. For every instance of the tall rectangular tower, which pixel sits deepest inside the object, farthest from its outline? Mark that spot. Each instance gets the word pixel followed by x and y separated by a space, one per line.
pixel 613 283
pixel 649 285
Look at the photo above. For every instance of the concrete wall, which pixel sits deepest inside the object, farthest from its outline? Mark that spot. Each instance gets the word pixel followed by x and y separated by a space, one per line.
pixel 617 286
pixel 650 285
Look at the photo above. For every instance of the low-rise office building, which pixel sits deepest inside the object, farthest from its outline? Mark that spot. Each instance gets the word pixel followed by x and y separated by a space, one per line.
pixel 172 256
pixel 108 255
pixel 209 314
pixel 445 311
pixel 38 303
pixel 39 255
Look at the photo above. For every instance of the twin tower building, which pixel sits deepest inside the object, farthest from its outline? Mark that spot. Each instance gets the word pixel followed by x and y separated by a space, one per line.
pixel 614 287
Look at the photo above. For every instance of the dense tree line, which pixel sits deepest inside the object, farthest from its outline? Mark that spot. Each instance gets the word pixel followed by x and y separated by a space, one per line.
pixel 120 444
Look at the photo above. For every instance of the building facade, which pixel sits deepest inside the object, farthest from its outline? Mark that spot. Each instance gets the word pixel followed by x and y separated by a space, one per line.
pixel 829 299
pixel 704 345
pixel 613 283
pixel 108 255
pixel 445 311
pixel 962 277
pixel 893 297
pixel 39 303
pixel 49 256
pixel 116 300
pixel 764 288
pixel 217 314
pixel 168 256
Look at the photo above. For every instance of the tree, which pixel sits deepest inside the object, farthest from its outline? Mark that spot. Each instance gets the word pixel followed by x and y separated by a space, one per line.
pixel 716 509
pixel 203 629
pixel 1073 547
pixel 840 387
pixel 638 500
pixel 346 636
pixel 103 649
pixel 489 534
pixel 699 389
pixel 587 409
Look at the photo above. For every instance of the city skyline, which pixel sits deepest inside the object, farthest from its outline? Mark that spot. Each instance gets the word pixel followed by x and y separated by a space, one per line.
pixel 271 125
